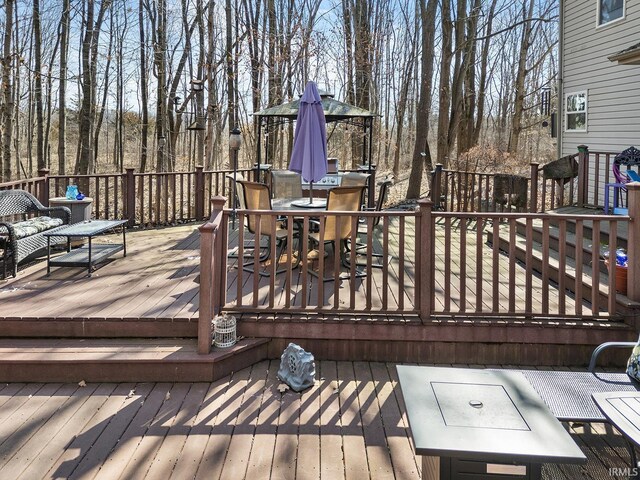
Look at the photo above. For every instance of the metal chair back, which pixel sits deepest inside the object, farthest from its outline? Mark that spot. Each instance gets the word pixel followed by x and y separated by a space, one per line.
pixel 258 197
pixel 341 199
pixel 286 184
pixel 354 179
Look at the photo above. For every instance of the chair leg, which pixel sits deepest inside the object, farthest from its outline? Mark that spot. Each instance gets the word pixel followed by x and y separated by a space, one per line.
pixel 280 250
pixel 250 246
pixel 341 250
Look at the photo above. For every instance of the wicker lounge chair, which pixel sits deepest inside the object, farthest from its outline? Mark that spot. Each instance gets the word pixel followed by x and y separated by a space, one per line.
pixel 23 219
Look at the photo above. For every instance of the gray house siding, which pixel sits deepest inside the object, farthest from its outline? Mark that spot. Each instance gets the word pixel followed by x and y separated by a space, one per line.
pixel 613 91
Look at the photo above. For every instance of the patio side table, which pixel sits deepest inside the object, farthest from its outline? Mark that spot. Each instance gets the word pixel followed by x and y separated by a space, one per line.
pixel 481 424
pixel 90 254
pixel 80 209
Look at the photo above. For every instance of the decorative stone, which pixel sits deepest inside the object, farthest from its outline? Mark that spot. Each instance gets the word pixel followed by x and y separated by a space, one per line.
pixel 297 368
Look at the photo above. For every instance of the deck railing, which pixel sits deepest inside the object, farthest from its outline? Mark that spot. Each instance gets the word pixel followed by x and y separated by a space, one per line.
pixel 145 199
pixel 461 191
pixel 434 264
pixel 213 268
pixel 393 291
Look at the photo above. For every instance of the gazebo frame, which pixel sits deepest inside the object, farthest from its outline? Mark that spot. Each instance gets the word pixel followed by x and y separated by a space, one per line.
pixel 334 111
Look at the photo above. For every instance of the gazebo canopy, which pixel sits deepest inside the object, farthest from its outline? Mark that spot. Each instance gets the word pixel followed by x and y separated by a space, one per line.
pixel 334 110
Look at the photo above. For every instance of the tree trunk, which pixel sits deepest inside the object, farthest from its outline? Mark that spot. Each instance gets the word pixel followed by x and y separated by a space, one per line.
pixel 445 84
pixel 62 90
pixel 421 153
pixel 160 64
pixel 144 93
pixel 37 39
pixel 521 75
pixel 7 91
pixel 482 84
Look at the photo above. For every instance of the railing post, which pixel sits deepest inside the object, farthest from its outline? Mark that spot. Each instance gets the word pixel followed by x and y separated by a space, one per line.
pixel 199 187
pixel 130 196
pixel 220 245
pixel 633 242
pixel 533 194
pixel 425 256
pixel 583 171
pixel 43 190
pixel 436 187
pixel 212 260
pixel 372 188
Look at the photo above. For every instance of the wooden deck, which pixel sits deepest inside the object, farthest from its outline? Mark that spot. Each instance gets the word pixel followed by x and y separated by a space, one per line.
pixel 350 425
pixel 153 293
pixel 155 284
pixel 157 281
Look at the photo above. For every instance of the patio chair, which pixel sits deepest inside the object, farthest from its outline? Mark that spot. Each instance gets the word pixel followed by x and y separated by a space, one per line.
pixel 568 394
pixel 354 179
pixel 258 197
pixel 248 245
pixel 286 184
pixel 337 230
pixel 628 158
pixel 361 246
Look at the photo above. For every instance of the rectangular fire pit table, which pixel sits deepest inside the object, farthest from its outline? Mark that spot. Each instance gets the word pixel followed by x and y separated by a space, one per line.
pixel 91 253
pixel 481 424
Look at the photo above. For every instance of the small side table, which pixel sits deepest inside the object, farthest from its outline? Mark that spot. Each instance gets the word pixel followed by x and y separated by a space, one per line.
pixel 80 212
pixel 80 209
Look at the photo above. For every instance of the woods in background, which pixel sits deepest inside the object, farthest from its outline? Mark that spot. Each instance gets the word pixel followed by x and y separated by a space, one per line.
pixel 94 86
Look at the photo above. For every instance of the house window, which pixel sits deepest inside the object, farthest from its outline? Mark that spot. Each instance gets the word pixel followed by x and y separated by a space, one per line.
pixel 610 10
pixel 576 112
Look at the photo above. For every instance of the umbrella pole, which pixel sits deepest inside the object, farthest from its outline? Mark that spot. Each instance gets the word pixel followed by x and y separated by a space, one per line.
pixel 310 193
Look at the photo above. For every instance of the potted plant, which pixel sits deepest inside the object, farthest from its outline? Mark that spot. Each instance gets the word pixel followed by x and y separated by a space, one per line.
pixel 620 270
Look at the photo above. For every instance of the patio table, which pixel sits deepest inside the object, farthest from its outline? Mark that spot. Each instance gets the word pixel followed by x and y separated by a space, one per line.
pixel 90 254
pixel 481 424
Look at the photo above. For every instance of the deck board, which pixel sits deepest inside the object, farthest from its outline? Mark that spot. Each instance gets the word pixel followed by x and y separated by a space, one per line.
pixel 350 424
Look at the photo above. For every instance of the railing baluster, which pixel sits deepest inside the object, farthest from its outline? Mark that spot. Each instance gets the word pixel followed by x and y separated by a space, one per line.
pixel 562 267
pixel 447 264
pixel 479 269
pixel 579 258
pixel 463 264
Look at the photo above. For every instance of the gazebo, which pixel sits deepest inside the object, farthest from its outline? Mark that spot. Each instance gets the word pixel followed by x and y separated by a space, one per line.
pixel 334 111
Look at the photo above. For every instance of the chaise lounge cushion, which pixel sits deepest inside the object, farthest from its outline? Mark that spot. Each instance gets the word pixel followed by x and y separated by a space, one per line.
pixel 32 226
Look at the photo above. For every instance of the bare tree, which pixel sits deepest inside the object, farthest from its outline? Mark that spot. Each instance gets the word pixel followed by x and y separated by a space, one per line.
pixel 421 153
pixel 7 106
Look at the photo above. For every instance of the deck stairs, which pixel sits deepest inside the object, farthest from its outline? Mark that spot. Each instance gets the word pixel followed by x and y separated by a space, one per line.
pixel 626 307
pixel 40 349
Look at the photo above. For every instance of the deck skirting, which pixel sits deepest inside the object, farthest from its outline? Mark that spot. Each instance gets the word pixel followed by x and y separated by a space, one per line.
pixel 407 339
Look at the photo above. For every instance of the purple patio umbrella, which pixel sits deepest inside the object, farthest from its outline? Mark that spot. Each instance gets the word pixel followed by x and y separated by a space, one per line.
pixel 309 155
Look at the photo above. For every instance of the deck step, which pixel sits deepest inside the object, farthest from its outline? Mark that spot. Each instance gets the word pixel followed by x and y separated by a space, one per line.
pixel 91 327
pixel 122 360
pixel 623 302
pixel 570 243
